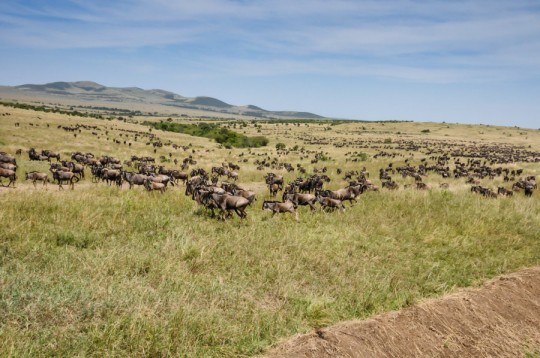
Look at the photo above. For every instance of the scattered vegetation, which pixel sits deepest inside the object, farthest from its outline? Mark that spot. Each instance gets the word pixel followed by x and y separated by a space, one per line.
pixel 221 135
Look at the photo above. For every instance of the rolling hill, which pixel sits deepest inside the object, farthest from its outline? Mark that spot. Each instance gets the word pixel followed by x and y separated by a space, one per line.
pixel 92 93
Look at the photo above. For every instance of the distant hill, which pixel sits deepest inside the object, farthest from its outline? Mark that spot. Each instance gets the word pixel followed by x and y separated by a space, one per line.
pixel 90 92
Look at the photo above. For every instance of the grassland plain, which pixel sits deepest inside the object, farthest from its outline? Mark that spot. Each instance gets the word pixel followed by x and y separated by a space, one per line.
pixel 102 271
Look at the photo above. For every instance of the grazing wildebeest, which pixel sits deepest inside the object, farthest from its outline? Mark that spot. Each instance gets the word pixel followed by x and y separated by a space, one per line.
pixel 280 207
pixel 10 174
pixel 35 176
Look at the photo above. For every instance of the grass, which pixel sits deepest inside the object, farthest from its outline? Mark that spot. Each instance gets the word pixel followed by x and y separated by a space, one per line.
pixel 122 272
pixel 106 272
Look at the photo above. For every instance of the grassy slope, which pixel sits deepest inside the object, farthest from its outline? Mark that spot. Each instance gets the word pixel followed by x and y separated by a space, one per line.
pixel 101 271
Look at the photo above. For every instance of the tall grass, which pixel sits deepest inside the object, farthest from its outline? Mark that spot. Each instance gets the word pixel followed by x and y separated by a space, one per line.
pixel 107 272
pixel 102 271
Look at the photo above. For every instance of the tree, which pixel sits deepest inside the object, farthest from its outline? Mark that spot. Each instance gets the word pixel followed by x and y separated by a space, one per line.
pixel 280 146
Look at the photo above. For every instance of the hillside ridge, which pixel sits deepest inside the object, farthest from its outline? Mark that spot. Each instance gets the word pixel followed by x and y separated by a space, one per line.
pixel 89 91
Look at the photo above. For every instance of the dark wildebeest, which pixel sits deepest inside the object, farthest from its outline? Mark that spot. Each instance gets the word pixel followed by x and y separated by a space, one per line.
pixel 67 177
pixel 112 175
pixel 50 154
pixel 504 191
pixel 35 176
pixel 10 174
pixel 134 178
pixel 529 190
pixel 280 207
pixel 6 158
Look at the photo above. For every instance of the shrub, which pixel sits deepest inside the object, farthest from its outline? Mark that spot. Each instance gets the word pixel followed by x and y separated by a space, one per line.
pixel 221 135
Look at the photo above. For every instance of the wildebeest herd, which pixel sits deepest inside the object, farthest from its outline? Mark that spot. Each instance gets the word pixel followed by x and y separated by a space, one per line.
pixel 205 188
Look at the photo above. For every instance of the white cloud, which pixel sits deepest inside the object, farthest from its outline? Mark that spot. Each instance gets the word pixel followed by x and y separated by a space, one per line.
pixel 416 40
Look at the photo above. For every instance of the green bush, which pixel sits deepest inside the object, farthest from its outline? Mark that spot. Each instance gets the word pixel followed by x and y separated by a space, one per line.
pixel 221 135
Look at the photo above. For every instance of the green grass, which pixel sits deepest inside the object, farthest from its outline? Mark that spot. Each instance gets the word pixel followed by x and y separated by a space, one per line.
pixel 108 272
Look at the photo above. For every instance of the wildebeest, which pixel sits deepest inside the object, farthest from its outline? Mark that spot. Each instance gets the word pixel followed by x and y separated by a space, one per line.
pixel 390 184
pixel 10 174
pixel 112 175
pixel 350 193
pixel 152 185
pixel 6 158
pixel 178 175
pixel 273 188
pixel 50 154
pixel 301 199
pixel 65 177
pixel 504 191
pixel 238 191
pixel 35 176
pixel 280 207
pixel 33 155
pixel 134 178
pixel 8 166
pixel 75 168
pixel 329 203
pixel 226 203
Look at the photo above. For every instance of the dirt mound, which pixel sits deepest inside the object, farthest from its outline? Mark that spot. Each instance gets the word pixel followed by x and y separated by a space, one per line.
pixel 500 319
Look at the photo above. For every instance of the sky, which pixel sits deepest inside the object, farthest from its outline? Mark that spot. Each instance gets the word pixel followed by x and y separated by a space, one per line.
pixel 456 61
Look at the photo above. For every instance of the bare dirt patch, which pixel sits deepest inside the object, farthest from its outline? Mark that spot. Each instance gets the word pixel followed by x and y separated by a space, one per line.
pixel 500 319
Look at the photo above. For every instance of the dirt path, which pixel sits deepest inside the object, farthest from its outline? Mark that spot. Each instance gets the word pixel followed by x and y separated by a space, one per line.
pixel 500 319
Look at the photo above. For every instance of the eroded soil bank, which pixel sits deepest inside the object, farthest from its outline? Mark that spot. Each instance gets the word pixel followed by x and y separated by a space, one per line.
pixel 500 319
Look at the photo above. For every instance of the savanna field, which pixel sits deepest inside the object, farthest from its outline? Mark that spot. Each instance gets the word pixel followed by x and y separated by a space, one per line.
pixel 106 271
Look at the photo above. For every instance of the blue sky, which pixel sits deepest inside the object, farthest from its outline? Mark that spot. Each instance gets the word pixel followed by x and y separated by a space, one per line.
pixel 453 61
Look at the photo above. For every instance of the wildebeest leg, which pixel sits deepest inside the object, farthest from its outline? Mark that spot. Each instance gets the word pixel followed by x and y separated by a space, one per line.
pixel 244 214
